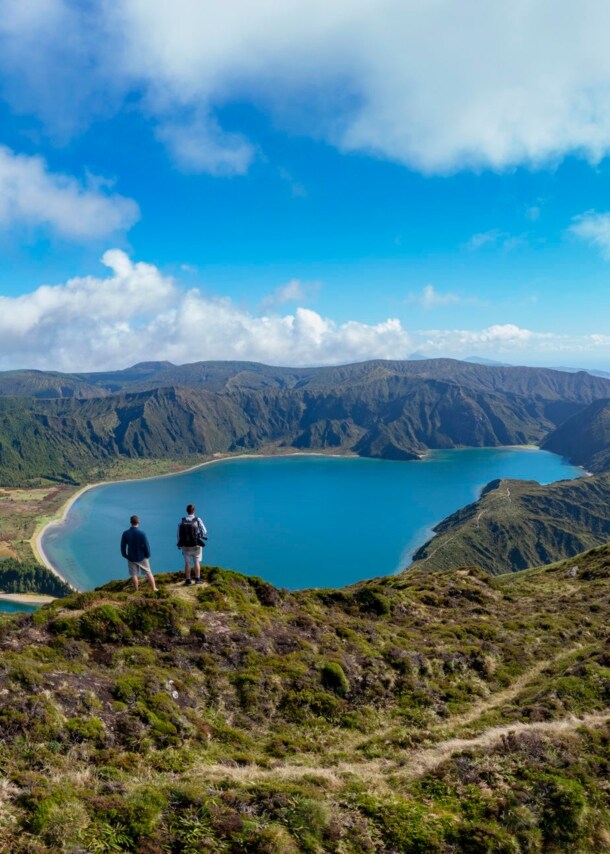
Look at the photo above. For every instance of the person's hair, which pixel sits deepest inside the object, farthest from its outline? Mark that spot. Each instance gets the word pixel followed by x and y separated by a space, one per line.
pixel 134 520
pixel 190 508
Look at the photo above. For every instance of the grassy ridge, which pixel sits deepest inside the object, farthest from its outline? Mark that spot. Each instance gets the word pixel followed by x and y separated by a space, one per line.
pixel 517 524
pixel 238 717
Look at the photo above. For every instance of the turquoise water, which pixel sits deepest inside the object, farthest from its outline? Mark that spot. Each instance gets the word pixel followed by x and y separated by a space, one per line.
pixel 13 607
pixel 301 521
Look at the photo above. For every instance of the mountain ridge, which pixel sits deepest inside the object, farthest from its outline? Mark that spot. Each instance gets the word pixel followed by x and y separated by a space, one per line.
pixel 394 410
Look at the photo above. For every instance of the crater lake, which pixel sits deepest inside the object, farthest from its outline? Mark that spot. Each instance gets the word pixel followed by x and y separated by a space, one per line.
pixel 296 521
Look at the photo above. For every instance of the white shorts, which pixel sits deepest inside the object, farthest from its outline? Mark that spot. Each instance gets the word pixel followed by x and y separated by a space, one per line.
pixel 192 553
pixel 134 567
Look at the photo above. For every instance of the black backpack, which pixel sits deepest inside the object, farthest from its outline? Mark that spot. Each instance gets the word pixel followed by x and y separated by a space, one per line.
pixel 188 533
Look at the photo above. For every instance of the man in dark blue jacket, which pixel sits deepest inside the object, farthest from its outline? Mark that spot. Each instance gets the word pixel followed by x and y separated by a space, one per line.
pixel 136 551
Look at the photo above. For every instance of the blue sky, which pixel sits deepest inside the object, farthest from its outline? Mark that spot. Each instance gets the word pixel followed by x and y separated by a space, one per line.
pixel 303 183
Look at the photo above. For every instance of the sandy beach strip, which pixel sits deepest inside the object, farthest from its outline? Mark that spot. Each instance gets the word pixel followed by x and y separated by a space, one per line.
pixel 26 598
pixel 36 540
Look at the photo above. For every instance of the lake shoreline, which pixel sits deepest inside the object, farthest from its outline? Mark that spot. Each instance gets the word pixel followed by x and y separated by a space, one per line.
pixel 27 598
pixel 60 517
pixel 55 564
pixel 53 559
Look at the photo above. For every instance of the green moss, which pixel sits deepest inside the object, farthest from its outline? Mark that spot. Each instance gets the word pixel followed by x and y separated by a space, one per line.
pixel 104 623
pixel 564 809
pixel 212 599
pixel 298 706
pixel 87 729
pixel 60 820
pixel 333 677
pixel 404 825
pixel 128 689
pixel 25 673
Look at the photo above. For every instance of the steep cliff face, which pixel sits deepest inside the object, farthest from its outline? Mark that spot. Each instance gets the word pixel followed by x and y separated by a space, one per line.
pixel 394 410
pixel 585 437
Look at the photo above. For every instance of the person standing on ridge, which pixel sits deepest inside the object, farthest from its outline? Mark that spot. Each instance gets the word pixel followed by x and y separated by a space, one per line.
pixel 136 551
pixel 191 539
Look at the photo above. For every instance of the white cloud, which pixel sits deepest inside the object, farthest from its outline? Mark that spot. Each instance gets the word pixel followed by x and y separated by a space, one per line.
pixel 437 85
pixel 31 194
pixel 431 298
pixel 136 313
pixel 293 291
pixel 484 238
pixel 202 146
pixel 496 238
pixel 500 337
pixel 593 228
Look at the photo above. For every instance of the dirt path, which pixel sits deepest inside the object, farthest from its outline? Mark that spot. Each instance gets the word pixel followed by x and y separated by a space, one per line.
pixel 487 704
pixel 404 764
pixel 421 761
pixel 501 697
pixel 411 764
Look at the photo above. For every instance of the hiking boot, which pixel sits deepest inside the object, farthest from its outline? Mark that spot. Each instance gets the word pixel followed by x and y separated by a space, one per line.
pixel 198 581
pixel 187 581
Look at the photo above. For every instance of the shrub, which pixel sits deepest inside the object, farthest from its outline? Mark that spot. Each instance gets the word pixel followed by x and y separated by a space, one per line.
pixel 298 705
pixel 564 807
pixel 87 729
pixel 145 614
pixel 104 624
pixel 128 689
pixel 372 601
pixel 333 677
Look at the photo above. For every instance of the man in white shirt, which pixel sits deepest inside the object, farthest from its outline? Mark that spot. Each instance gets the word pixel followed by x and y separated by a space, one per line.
pixel 191 535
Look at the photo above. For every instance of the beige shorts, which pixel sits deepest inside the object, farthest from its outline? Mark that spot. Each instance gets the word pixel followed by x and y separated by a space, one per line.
pixel 135 567
pixel 192 553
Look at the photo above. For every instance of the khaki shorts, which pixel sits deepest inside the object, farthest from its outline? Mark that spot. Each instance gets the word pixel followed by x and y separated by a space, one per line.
pixel 192 553
pixel 134 567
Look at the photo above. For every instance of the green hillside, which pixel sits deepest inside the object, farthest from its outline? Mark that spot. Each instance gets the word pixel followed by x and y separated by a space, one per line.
pixel 447 712
pixel 393 410
pixel 516 524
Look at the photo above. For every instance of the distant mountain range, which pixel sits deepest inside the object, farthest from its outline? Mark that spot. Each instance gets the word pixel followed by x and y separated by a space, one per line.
pixel 58 426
